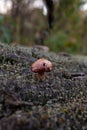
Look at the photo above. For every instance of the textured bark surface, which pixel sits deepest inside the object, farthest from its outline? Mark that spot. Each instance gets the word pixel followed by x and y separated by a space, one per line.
pixel 27 103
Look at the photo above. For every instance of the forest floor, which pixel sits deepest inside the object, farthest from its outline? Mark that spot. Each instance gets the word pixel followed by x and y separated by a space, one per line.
pixel 57 103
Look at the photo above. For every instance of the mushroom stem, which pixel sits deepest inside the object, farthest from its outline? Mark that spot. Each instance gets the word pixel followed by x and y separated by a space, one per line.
pixel 41 75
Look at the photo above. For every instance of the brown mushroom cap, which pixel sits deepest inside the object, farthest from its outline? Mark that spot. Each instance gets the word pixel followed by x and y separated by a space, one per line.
pixel 42 65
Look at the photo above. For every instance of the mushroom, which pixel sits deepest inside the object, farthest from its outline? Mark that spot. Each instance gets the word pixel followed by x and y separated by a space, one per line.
pixel 40 66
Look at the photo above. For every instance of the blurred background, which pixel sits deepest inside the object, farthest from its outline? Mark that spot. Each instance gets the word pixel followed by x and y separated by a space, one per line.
pixel 61 25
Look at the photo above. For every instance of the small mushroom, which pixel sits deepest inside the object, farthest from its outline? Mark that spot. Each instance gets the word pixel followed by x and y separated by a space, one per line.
pixel 40 66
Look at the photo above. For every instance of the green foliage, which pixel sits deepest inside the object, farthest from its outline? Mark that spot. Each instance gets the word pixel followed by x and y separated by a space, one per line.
pixel 68 34
pixel 57 41
pixel 60 41
pixel 5 35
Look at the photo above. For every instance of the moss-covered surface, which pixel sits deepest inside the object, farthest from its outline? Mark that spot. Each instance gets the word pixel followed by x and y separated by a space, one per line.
pixel 27 103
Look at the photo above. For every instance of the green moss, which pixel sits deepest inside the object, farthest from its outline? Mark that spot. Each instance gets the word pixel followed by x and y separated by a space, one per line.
pixel 59 100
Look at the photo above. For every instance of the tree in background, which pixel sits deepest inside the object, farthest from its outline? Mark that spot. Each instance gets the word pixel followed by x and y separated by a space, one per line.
pixel 20 15
pixel 50 12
